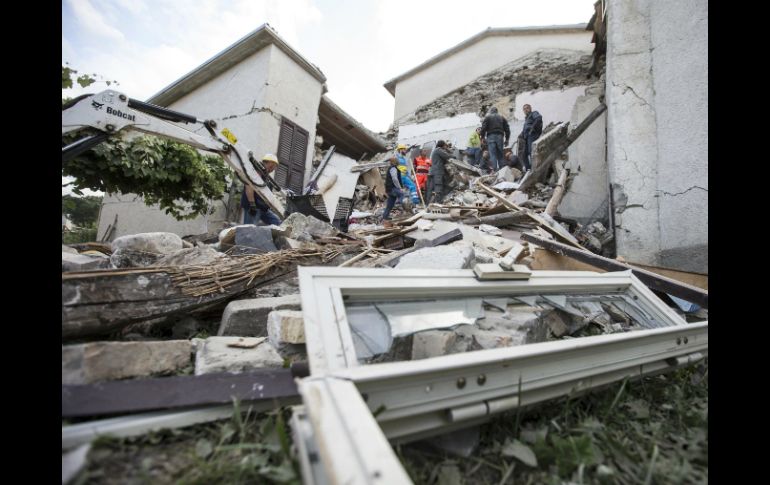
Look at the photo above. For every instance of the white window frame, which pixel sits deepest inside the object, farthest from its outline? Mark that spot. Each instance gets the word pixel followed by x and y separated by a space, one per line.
pixel 416 399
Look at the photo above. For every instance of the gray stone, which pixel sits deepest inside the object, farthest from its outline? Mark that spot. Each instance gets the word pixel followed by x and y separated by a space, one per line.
pixel 441 257
pixel 432 343
pixel 507 174
pixel 255 237
pixel 518 319
pixel 80 262
pixel 67 249
pixel 248 318
pixel 201 255
pixel 476 338
pixel 304 228
pixel 104 361
pixel 132 258
pixel 519 198
pixel 286 327
pixel 215 355
pixel 151 242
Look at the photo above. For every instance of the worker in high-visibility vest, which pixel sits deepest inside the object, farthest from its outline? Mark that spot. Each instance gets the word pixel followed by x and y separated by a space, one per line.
pixel 421 168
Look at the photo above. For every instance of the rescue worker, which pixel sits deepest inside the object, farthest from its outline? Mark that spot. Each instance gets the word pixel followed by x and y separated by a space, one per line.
pixel 474 147
pixel 422 167
pixel 392 187
pixel 408 184
pixel 494 128
pixel 254 208
pixel 401 154
pixel 533 127
pixel 437 176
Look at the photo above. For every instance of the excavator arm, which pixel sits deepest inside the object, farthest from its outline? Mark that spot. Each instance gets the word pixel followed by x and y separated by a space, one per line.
pixel 113 113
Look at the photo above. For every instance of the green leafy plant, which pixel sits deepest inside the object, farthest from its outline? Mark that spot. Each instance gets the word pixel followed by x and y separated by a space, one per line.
pixel 176 177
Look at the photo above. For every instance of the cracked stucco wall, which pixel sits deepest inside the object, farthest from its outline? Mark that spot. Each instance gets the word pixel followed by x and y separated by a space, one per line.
pixel 657 134
pixel 248 99
pixel 680 63
pixel 589 191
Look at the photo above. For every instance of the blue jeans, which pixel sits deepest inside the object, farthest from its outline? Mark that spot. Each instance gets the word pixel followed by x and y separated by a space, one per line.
pixel 265 215
pixel 393 195
pixel 495 147
pixel 475 154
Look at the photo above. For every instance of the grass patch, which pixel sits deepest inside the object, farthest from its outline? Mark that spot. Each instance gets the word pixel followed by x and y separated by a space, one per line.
pixel 653 431
pixel 248 448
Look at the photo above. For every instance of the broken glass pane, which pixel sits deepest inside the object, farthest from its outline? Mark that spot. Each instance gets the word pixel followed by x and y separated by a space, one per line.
pixel 373 326
pixel 415 329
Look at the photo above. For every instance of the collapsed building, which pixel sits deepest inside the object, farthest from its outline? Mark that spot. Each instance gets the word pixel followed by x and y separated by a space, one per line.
pixel 515 290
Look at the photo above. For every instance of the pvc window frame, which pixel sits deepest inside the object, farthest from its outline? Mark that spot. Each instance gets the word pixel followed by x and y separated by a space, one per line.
pixel 326 290
pixel 416 399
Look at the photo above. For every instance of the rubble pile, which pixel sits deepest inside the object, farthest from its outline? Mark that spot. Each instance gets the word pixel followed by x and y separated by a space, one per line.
pixel 545 69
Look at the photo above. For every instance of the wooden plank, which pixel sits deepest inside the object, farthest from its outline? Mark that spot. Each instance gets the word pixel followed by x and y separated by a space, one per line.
pixel 539 172
pixel 175 392
pixel 558 193
pixel 653 281
pixel 694 279
pixel 556 230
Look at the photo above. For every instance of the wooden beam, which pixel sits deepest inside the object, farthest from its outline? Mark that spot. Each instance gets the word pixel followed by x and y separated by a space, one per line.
pixel 558 193
pixel 174 392
pixel 652 280
pixel 541 169
pixel 554 228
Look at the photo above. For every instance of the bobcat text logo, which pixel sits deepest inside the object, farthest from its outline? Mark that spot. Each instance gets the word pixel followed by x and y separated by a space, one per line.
pixel 121 114
pixel 97 105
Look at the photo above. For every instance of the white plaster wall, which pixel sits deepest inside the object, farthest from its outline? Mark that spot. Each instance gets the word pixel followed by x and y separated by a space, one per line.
pixel 632 142
pixel 657 88
pixel 456 129
pixel 248 99
pixel 679 34
pixel 476 60
pixel 135 217
pixel 589 190
pixel 296 95
pixel 554 106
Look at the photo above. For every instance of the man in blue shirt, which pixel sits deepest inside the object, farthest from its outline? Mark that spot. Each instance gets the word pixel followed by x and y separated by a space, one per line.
pixel 533 127
pixel 254 208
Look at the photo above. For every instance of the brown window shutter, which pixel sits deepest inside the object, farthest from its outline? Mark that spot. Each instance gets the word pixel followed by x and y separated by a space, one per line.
pixel 292 150
pixel 298 153
pixel 284 153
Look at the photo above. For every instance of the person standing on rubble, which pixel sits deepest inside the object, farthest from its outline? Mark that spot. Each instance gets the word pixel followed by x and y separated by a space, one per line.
pixel 437 174
pixel 474 147
pixel 392 187
pixel 533 127
pixel 254 208
pixel 497 132
pixel 422 167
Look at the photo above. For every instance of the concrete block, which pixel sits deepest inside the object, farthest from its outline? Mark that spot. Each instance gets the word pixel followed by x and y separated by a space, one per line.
pixel 286 327
pixel 216 355
pixel 151 242
pixel 255 237
pixel 79 262
pixel 104 361
pixel 248 318
pixel 432 343
pixel 201 255
pixel 441 257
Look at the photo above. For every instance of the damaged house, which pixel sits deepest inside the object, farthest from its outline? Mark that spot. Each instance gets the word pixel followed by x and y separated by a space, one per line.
pixel 445 325
pixel 273 100
pixel 641 167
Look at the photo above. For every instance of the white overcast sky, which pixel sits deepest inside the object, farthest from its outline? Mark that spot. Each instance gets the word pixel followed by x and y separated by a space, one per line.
pixel 359 45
